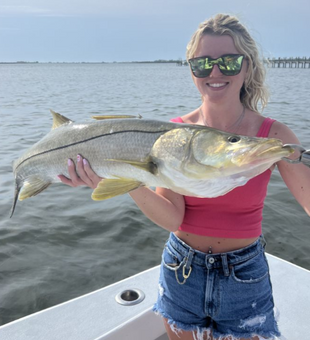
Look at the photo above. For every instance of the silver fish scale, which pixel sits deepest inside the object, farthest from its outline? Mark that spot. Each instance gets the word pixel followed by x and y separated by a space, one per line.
pixel 96 141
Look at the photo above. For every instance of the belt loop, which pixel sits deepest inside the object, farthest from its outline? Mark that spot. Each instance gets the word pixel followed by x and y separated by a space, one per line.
pixel 225 264
pixel 189 259
pixel 263 241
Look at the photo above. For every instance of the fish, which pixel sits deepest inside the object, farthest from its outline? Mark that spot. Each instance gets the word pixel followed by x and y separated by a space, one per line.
pixel 192 160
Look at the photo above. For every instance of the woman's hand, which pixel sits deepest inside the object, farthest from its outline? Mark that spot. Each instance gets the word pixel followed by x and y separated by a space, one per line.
pixel 81 175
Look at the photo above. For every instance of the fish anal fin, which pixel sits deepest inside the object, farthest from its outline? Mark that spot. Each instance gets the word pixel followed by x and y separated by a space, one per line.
pixel 102 117
pixel 32 187
pixel 111 187
pixel 59 120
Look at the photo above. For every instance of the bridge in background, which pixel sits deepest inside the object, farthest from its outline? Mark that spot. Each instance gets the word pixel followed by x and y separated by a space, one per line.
pixel 289 62
pixel 273 62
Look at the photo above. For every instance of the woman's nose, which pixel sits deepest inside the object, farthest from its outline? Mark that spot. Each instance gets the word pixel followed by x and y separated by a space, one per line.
pixel 215 71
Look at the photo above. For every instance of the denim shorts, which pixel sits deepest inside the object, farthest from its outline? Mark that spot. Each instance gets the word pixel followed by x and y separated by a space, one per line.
pixel 228 295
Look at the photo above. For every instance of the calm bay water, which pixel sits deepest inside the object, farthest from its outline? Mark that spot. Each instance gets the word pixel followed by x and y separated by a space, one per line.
pixel 61 244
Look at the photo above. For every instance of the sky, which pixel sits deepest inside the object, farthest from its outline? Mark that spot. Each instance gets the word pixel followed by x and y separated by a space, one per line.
pixel 140 30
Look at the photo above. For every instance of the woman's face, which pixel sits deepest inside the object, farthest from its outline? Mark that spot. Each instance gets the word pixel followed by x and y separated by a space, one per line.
pixel 217 87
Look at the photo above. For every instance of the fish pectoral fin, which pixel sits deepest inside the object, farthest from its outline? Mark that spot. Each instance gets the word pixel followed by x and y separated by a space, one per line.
pixel 111 187
pixel 59 120
pixel 146 165
pixel 101 117
pixel 32 187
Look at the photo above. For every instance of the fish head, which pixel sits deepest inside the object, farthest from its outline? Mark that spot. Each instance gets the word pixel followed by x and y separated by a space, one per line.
pixel 231 153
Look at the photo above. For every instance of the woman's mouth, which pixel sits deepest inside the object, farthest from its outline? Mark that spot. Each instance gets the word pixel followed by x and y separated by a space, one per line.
pixel 217 85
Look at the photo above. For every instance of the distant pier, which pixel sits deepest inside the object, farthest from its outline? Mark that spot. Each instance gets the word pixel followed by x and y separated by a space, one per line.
pixel 289 62
pixel 274 62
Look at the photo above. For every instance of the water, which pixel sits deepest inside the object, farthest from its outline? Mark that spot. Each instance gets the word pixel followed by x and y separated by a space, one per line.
pixel 61 244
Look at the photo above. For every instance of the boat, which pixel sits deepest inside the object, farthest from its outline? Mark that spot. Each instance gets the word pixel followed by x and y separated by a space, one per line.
pixel 123 310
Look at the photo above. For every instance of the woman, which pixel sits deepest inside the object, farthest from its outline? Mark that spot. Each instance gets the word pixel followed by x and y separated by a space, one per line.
pixel 214 281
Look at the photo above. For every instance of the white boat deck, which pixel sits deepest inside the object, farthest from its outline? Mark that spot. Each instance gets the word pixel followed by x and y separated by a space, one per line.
pixel 97 315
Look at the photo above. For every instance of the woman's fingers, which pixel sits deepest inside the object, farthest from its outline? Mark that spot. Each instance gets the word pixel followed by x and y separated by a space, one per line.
pixel 81 174
pixel 65 180
pixel 75 179
pixel 95 179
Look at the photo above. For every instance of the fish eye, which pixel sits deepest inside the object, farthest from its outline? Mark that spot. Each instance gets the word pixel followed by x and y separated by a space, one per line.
pixel 234 139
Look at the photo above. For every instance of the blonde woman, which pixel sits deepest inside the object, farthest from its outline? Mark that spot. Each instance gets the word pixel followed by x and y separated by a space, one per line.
pixel 214 281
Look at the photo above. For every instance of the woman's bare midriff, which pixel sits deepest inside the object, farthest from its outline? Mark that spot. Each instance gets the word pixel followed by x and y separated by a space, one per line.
pixel 217 244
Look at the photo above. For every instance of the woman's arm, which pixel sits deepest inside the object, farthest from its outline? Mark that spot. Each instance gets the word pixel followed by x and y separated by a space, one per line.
pixel 163 206
pixel 295 176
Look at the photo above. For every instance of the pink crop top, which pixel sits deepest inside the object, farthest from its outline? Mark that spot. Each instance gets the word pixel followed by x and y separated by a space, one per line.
pixel 238 214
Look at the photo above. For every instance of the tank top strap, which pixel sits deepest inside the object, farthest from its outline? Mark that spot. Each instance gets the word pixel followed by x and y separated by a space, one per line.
pixel 265 128
pixel 262 132
pixel 177 120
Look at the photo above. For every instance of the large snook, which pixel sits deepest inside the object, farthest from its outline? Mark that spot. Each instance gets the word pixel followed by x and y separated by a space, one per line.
pixel 191 160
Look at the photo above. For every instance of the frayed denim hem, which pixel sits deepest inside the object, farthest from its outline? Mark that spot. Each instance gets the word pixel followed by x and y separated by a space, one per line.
pixel 203 333
pixel 199 333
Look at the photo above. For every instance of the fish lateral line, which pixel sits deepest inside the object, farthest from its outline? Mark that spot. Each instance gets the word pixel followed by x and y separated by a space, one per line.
pixel 85 141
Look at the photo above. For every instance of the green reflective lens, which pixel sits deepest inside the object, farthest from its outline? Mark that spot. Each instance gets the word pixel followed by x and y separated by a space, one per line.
pixel 228 64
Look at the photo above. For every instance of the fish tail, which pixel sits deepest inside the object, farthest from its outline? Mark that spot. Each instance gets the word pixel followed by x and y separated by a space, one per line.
pixel 16 193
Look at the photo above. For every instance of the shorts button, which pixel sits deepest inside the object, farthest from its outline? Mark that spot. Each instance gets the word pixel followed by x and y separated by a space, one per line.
pixel 211 260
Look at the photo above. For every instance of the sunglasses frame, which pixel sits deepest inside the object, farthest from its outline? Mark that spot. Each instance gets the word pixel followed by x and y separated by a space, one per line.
pixel 216 62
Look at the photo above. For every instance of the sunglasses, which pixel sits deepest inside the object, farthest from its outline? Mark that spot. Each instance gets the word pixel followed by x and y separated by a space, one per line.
pixel 228 64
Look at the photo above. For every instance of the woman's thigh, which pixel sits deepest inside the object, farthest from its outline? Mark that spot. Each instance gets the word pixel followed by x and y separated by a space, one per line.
pixel 190 335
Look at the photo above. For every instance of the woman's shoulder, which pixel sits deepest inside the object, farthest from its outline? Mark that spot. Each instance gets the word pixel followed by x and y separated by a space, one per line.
pixel 191 117
pixel 267 127
pixel 277 129
pixel 281 131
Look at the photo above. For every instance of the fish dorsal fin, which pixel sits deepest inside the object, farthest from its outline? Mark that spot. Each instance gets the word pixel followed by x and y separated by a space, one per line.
pixel 101 117
pixel 111 187
pixel 59 120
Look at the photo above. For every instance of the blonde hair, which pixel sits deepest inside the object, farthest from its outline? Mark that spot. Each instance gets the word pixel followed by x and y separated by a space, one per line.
pixel 254 90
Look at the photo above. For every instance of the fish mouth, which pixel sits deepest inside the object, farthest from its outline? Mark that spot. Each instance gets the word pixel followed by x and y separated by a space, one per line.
pixel 269 150
pixel 274 147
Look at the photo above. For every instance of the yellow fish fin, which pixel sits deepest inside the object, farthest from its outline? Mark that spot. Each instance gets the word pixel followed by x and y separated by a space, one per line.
pixel 111 187
pixel 32 187
pixel 101 117
pixel 59 120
